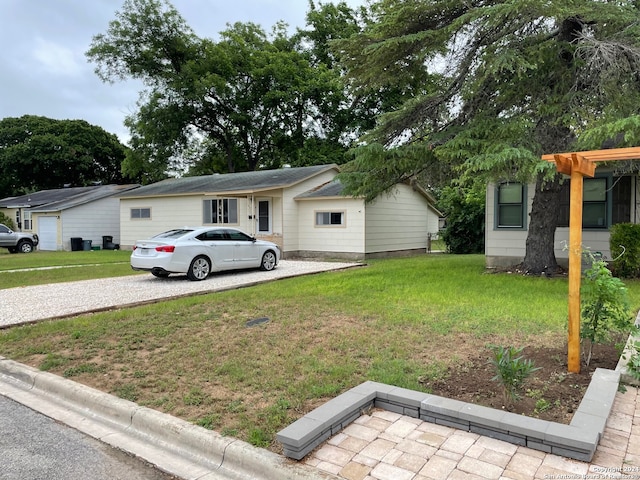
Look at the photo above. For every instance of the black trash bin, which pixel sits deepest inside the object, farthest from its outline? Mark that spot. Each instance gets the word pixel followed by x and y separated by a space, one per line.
pixel 76 244
pixel 107 242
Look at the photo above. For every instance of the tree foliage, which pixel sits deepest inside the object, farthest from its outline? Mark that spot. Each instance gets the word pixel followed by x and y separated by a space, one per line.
pixel 501 83
pixel 624 244
pixel 41 153
pixel 464 226
pixel 248 100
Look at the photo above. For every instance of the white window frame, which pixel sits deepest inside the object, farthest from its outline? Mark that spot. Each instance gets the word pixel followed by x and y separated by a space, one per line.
pixel 330 213
pixel 218 205
pixel 27 222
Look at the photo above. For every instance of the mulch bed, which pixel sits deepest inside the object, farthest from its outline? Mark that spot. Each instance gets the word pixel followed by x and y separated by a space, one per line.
pixel 551 393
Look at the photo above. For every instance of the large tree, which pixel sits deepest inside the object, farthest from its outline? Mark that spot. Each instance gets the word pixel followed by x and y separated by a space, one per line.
pixel 248 100
pixel 504 82
pixel 40 153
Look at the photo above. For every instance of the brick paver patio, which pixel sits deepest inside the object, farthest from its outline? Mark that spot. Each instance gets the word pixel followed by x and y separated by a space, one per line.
pixel 388 446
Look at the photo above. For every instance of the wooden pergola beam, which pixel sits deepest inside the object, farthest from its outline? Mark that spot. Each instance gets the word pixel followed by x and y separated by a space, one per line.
pixel 579 165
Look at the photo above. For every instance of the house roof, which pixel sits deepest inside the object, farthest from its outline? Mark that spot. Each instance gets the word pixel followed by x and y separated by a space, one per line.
pixel 335 189
pixel 229 183
pixel 329 189
pixel 63 198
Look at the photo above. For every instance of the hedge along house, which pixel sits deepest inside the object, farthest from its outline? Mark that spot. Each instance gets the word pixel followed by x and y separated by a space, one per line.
pixel 607 199
pixel 57 215
pixel 301 209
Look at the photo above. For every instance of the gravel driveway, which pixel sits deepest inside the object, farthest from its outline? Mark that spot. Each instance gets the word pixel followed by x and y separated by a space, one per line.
pixel 55 300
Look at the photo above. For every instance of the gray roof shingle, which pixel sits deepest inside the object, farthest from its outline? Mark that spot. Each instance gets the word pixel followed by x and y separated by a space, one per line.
pixel 62 198
pixel 243 182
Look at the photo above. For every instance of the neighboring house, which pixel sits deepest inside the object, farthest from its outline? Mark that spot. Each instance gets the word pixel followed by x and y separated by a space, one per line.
pixel 608 199
pixel 301 209
pixel 61 214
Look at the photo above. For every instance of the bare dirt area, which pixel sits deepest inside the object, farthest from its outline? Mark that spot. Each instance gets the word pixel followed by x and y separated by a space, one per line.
pixel 551 393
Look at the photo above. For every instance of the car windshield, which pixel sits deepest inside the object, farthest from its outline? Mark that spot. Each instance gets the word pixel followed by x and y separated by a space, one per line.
pixel 173 233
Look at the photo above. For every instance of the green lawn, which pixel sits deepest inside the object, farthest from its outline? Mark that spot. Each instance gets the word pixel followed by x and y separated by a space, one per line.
pixel 396 321
pixel 82 265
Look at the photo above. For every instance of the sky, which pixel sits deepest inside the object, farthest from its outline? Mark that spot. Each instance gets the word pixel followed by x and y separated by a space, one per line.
pixel 44 71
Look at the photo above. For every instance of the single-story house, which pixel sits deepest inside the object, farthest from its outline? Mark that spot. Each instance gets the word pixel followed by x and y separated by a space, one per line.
pixel 58 215
pixel 608 199
pixel 301 209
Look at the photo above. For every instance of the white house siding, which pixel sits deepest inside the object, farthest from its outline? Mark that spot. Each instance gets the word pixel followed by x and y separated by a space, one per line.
pixel 400 222
pixel 91 221
pixel 88 221
pixel 507 247
pixel 290 215
pixel 344 240
pixel 275 198
pixel 168 213
pixel 503 247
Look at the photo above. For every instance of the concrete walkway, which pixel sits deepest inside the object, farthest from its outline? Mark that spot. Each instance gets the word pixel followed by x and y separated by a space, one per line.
pixel 387 446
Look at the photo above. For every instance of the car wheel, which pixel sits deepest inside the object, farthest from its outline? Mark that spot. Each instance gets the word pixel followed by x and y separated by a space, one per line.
pixel 199 269
pixel 25 247
pixel 268 262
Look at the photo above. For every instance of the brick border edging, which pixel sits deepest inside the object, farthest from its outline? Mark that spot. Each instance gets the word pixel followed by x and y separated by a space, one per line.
pixel 577 440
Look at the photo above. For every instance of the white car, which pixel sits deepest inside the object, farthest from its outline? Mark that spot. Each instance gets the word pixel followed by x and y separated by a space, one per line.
pixel 198 251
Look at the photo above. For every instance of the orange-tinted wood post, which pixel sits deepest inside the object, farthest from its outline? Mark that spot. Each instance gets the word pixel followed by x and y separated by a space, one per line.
pixel 577 166
pixel 575 267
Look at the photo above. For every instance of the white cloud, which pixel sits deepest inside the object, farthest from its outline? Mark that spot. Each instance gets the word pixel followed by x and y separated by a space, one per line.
pixel 57 59
pixel 45 71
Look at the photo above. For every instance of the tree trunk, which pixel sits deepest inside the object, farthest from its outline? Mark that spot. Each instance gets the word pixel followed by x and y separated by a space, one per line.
pixel 540 256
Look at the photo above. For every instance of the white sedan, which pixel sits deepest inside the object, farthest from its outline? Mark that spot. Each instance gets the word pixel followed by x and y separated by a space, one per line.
pixel 198 251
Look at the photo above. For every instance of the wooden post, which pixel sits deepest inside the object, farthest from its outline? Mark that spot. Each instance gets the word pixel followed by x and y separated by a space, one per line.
pixel 577 166
pixel 575 267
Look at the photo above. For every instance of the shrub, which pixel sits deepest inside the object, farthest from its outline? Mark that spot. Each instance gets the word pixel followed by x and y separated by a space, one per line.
pixel 464 229
pixel 5 220
pixel 624 243
pixel 604 306
pixel 512 370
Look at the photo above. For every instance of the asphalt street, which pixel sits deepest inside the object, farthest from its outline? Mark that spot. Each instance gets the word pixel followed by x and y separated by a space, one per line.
pixel 35 447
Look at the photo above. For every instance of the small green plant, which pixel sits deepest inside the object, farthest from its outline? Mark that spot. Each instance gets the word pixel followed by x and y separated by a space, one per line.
pixel 52 361
pixel 633 365
pixel 512 370
pixel 542 405
pixel 126 391
pixel 210 422
pixel 195 397
pixel 606 314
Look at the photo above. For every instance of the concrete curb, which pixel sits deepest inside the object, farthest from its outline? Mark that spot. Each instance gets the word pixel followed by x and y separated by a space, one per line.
pixel 171 444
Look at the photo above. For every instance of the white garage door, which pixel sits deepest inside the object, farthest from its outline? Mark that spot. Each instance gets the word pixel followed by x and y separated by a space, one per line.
pixel 48 233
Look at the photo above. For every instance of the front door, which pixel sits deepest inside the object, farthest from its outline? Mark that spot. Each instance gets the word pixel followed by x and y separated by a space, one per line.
pixel 264 216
